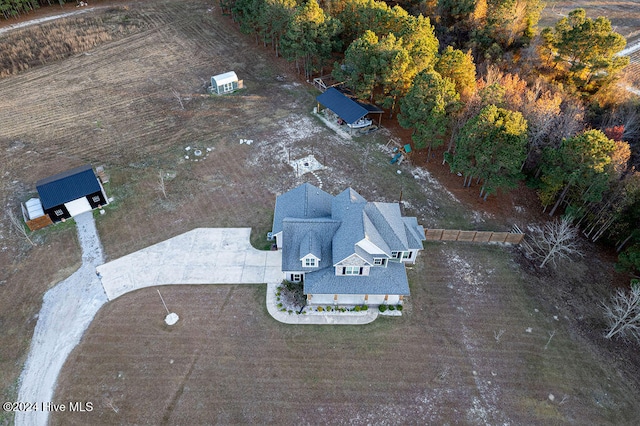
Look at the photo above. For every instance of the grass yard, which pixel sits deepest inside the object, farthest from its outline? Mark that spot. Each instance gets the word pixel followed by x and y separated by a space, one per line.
pixel 138 105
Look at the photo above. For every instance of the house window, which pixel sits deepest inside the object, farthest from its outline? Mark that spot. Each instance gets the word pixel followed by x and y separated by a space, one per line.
pixel 352 270
pixel 310 262
pixel 58 212
pixel 227 87
pixel 96 198
pixel 396 254
pixel 296 278
pixel 406 254
pixel 379 261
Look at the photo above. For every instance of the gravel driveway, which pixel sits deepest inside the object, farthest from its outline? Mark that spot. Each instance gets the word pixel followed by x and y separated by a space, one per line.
pixel 67 310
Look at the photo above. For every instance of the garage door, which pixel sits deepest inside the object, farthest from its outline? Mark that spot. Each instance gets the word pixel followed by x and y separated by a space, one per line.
pixel 78 206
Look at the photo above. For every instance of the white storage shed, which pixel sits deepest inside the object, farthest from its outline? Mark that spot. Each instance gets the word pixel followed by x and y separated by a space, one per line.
pixel 225 83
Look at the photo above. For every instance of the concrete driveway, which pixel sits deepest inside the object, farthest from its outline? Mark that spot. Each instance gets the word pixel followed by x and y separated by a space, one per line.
pixel 200 256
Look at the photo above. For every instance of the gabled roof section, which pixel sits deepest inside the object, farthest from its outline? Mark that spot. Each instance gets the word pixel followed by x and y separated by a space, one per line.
pixel 303 202
pixel 347 207
pixel 387 220
pixel 344 107
pixel 227 77
pixel 354 260
pixel 294 233
pixel 389 280
pixel 310 244
pixel 415 233
pixel 67 186
pixel 373 235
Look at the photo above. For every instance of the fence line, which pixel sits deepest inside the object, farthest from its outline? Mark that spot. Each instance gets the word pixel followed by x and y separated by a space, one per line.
pixel 515 236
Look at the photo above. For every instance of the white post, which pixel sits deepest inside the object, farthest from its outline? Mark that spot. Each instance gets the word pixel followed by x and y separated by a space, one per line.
pixel 165 305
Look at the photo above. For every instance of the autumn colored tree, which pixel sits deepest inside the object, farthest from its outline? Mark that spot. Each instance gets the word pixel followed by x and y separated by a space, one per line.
pixel 388 63
pixel 460 68
pixel 508 23
pixel 615 133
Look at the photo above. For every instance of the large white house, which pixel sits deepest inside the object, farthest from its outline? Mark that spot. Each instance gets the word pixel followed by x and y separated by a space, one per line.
pixel 345 250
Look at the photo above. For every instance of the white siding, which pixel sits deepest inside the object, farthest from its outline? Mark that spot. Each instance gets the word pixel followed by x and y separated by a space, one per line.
pixel 354 299
pixel 76 207
pixel 369 247
pixel 278 238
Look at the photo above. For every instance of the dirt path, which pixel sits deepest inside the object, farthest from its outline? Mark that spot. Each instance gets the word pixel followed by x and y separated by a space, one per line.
pixel 41 20
pixel 67 310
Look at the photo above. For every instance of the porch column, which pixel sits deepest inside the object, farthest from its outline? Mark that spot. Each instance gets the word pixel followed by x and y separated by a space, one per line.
pixel 335 299
pixel 366 299
pixel 401 299
pixel 386 299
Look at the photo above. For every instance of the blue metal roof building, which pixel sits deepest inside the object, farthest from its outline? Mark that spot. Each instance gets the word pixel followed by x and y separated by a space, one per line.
pixel 74 191
pixel 347 109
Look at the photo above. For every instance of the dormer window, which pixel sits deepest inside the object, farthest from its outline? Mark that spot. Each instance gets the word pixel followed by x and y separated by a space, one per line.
pixel 310 262
pixel 352 270
pixel 379 261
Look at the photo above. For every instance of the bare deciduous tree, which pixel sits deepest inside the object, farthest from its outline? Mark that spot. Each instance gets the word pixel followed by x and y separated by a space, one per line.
pixel 178 97
pixel 551 334
pixel 18 226
pixel 161 186
pixel 623 313
pixel 556 241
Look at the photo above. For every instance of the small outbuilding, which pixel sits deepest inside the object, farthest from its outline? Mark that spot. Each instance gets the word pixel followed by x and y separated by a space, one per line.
pixel 225 83
pixel 70 193
pixel 349 110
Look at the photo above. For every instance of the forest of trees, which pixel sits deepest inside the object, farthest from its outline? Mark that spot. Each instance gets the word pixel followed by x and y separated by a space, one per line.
pixel 508 102
pixel 511 103
pixel 15 8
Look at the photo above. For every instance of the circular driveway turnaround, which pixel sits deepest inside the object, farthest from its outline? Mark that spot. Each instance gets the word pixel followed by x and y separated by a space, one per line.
pixel 200 256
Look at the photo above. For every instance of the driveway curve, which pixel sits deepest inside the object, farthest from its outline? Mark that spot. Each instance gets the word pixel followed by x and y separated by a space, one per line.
pixel 200 256
pixel 67 310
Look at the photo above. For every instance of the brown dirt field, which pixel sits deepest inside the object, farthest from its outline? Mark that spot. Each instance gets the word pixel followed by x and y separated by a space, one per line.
pixel 232 363
pixel 228 362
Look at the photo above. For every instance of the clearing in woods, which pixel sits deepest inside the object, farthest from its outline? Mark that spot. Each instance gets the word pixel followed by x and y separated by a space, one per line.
pixel 472 347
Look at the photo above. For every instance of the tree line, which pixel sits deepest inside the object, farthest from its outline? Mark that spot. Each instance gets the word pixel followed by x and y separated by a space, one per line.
pixel 15 8
pixel 512 103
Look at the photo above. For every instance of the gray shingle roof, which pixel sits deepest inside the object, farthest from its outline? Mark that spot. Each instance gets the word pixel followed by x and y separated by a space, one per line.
pixel 415 233
pixel 310 244
pixel 389 280
pixel 67 186
pixel 328 227
pixel 387 219
pixel 304 201
pixel 347 207
pixel 373 235
pixel 294 232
